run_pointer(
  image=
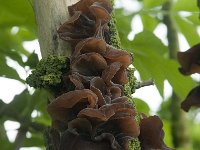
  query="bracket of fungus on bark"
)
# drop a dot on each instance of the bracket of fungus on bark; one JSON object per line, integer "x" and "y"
{"x": 96, "y": 114}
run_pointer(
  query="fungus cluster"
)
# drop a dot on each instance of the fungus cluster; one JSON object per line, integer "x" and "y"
{"x": 190, "y": 64}
{"x": 95, "y": 114}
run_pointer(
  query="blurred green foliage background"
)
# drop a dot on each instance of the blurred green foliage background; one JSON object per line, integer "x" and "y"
{"x": 151, "y": 59}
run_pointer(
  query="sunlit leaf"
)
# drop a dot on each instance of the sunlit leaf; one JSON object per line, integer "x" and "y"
{"x": 141, "y": 106}
{"x": 188, "y": 29}
{"x": 147, "y": 39}
{"x": 152, "y": 3}
{"x": 152, "y": 64}
{"x": 185, "y": 5}
{"x": 194, "y": 18}
{"x": 123, "y": 23}
{"x": 149, "y": 22}
{"x": 167, "y": 129}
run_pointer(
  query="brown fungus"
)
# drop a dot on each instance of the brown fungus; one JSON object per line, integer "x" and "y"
{"x": 73, "y": 141}
{"x": 105, "y": 112}
{"x": 110, "y": 71}
{"x": 151, "y": 133}
{"x": 90, "y": 45}
{"x": 87, "y": 18}
{"x": 100, "y": 13}
{"x": 90, "y": 64}
{"x": 61, "y": 109}
{"x": 98, "y": 86}
{"x": 190, "y": 60}
{"x": 84, "y": 5}
{"x": 96, "y": 115}
{"x": 193, "y": 99}
{"x": 77, "y": 28}
{"x": 116, "y": 55}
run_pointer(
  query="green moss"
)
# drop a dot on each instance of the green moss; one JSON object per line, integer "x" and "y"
{"x": 48, "y": 72}
{"x": 134, "y": 145}
{"x": 130, "y": 87}
{"x": 114, "y": 35}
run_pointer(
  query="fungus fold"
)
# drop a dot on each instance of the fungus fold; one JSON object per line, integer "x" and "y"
{"x": 96, "y": 115}
{"x": 190, "y": 60}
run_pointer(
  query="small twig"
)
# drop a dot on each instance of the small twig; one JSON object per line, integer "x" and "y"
{"x": 145, "y": 83}
{"x": 21, "y": 135}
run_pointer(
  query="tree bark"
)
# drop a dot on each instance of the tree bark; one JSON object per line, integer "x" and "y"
{"x": 50, "y": 14}
{"x": 179, "y": 129}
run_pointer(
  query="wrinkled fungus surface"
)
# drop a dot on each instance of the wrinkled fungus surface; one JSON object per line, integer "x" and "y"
{"x": 190, "y": 64}
{"x": 96, "y": 115}
{"x": 192, "y": 100}
{"x": 190, "y": 60}
{"x": 151, "y": 133}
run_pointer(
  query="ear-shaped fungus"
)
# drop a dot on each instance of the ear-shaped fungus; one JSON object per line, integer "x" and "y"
{"x": 91, "y": 64}
{"x": 97, "y": 114}
{"x": 65, "y": 107}
{"x": 72, "y": 141}
{"x": 98, "y": 86}
{"x": 151, "y": 133}
{"x": 190, "y": 60}
{"x": 77, "y": 28}
{"x": 193, "y": 99}
{"x": 87, "y": 15}
{"x": 90, "y": 45}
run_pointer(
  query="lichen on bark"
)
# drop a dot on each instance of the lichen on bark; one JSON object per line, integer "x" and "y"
{"x": 48, "y": 72}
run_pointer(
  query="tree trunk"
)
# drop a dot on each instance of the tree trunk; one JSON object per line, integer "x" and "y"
{"x": 50, "y": 14}
{"x": 180, "y": 133}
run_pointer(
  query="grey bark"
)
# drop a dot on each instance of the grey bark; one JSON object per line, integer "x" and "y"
{"x": 50, "y": 14}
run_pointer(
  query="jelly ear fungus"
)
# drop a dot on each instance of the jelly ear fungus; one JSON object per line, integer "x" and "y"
{"x": 96, "y": 115}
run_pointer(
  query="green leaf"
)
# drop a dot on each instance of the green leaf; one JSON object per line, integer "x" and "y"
{"x": 185, "y": 5}
{"x": 151, "y": 63}
{"x": 36, "y": 140}
{"x": 11, "y": 42}
{"x": 16, "y": 13}
{"x": 147, "y": 39}
{"x": 164, "y": 112}
{"x": 7, "y": 71}
{"x": 167, "y": 128}
{"x": 123, "y": 23}
{"x": 26, "y": 34}
{"x": 34, "y": 99}
{"x": 148, "y": 22}
{"x": 19, "y": 103}
{"x": 33, "y": 60}
{"x": 188, "y": 29}
{"x": 160, "y": 68}
{"x": 141, "y": 106}
{"x": 152, "y": 3}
